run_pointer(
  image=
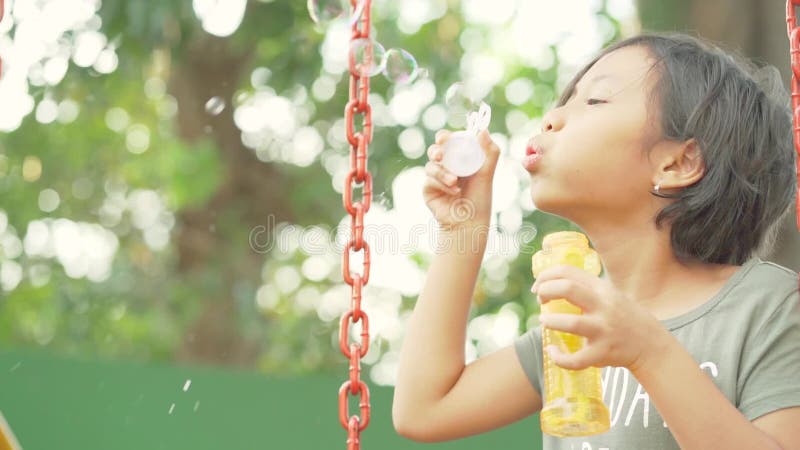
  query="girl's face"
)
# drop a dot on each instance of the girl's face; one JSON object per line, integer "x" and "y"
{"x": 592, "y": 161}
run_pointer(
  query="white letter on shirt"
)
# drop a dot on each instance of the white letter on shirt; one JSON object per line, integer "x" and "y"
{"x": 712, "y": 366}
{"x": 640, "y": 395}
{"x": 616, "y": 410}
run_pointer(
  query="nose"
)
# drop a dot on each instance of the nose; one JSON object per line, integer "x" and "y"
{"x": 552, "y": 120}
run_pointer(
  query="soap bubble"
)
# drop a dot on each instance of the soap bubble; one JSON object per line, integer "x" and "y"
{"x": 325, "y": 11}
{"x": 215, "y": 105}
{"x": 359, "y": 52}
{"x": 460, "y": 101}
{"x": 459, "y": 96}
{"x": 401, "y": 67}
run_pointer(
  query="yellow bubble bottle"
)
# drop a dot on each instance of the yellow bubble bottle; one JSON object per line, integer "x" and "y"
{"x": 573, "y": 399}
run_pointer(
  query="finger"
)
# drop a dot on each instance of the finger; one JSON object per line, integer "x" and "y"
{"x": 571, "y": 323}
{"x": 573, "y": 291}
{"x": 436, "y": 185}
{"x": 435, "y": 153}
{"x": 441, "y": 174}
{"x": 586, "y": 357}
{"x": 488, "y": 145}
{"x": 565, "y": 271}
{"x": 442, "y": 136}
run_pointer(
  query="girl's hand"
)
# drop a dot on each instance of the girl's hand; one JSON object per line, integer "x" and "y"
{"x": 460, "y": 201}
{"x": 619, "y": 332}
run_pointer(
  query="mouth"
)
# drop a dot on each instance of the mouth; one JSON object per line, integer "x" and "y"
{"x": 533, "y": 153}
{"x": 533, "y": 149}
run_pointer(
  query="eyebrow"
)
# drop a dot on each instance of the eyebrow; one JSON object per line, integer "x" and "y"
{"x": 601, "y": 77}
{"x": 596, "y": 78}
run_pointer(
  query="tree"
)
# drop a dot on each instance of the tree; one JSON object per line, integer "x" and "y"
{"x": 147, "y": 156}
{"x": 141, "y": 148}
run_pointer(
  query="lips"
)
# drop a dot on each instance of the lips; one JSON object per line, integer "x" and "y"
{"x": 533, "y": 148}
{"x": 533, "y": 154}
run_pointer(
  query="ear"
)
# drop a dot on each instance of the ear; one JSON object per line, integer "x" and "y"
{"x": 682, "y": 166}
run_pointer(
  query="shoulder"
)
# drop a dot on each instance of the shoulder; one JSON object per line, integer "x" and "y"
{"x": 765, "y": 291}
{"x": 770, "y": 271}
{"x": 762, "y": 279}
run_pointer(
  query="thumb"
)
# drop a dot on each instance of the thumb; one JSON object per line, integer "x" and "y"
{"x": 489, "y": 147}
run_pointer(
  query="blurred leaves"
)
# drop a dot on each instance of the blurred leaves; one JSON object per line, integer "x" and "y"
{"x": 199, "y": 294}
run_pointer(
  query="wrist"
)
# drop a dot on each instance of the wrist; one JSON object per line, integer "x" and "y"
{"x": 463, "y": 237}
{"x": 467, "y": 226}
{"x": 659, "y": 350}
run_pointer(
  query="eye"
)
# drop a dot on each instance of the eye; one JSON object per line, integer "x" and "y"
{"x": 594, "y": 101}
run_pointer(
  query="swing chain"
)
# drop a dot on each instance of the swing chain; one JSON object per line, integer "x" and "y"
{"x": 794, "y": 50}
{"x": 358, "y": 177}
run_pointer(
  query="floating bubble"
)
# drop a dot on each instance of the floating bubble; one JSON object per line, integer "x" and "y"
{"x": 323, "y": 12}
{"x": 215, "y": 105}
{"x": 460, "y": 100}
{"x": 458, "y": 96}
{"x": 368, "y": 56}
{"x": 401, "y": 67}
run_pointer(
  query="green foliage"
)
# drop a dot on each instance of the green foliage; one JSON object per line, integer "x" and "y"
{"x": 153, "y": 304}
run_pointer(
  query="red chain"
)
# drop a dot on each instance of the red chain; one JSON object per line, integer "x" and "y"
{"x": 794, "y": 46}
{"x": 358, "y": 176}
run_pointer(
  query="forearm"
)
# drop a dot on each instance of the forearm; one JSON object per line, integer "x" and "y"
{"x": 432, "y": 353}
{"x": 697, "y": 412}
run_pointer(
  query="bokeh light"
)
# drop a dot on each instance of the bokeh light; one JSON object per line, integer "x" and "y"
{"x": 31, "y": 168}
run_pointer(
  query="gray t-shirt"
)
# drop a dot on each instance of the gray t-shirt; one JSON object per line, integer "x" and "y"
{"x": 746, "y": 338}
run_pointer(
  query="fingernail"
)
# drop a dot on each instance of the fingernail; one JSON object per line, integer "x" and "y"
{"x": 533, "y": 288}
{"x": 450, "y": 178}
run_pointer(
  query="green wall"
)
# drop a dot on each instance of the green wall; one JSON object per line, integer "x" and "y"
{"x": 52, "y": 402}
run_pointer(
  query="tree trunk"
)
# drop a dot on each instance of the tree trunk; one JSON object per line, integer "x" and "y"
{"x": 756, "y": 29}
{"x": 249, "y": 191}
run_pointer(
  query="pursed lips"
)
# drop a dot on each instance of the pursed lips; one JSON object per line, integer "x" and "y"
{"x": 533, "y": 154}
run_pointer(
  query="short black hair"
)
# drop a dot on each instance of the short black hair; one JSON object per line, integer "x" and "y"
{"x": 739, "y": 114}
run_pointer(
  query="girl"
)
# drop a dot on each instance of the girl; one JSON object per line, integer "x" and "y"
{"x": 678, "y": 164}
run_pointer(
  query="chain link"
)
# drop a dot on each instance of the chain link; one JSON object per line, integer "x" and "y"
{"x": 358, "y": 177}
{"x": 794, "y": 49}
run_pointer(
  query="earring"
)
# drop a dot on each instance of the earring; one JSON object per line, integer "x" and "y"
{"x": 657, "y": 187}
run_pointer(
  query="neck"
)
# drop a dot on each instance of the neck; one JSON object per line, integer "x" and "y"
{"x": 641, "y": 264}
